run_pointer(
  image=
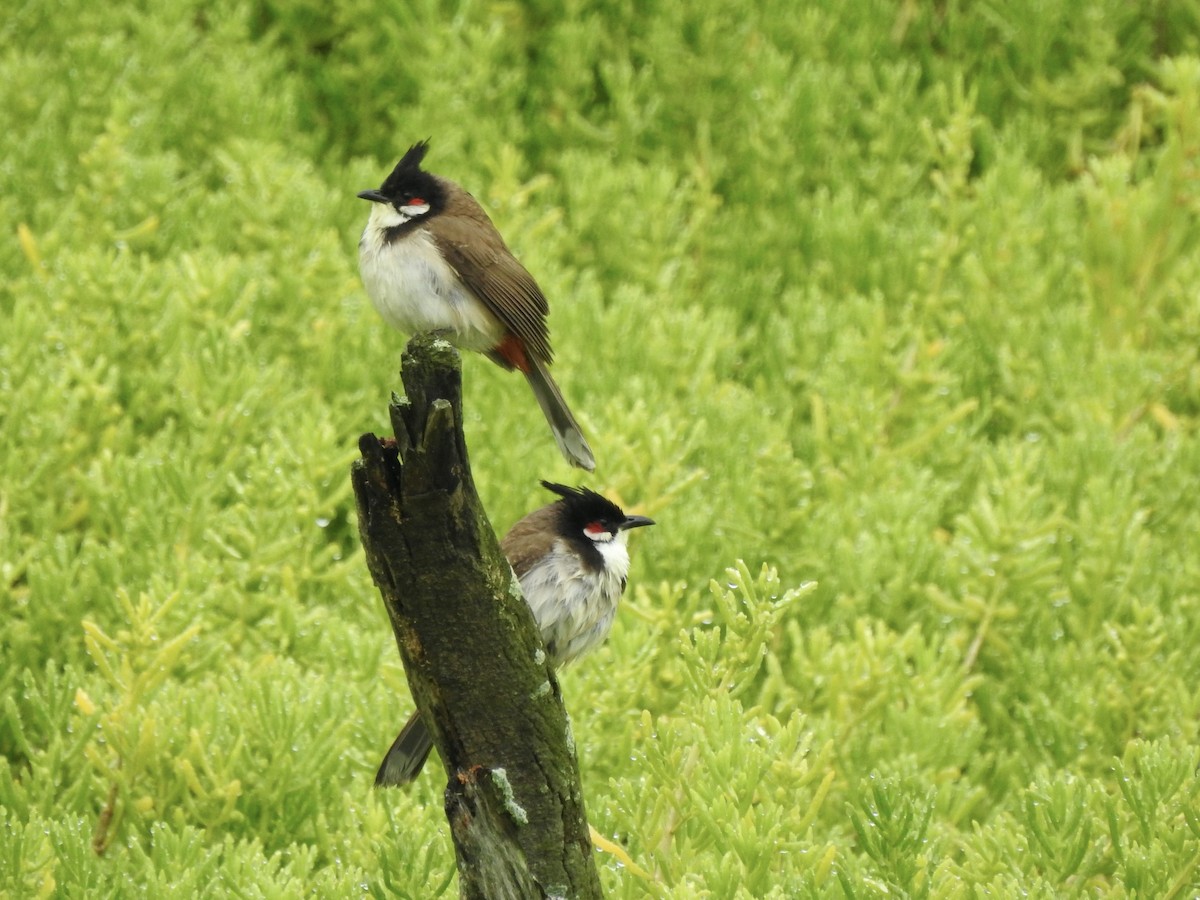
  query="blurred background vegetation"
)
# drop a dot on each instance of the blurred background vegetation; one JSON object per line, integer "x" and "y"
{"x": 888, "y": 312}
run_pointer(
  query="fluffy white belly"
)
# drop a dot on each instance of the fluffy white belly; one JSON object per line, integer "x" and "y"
{"x": 574, "y": 609}
{"x": 415, "y": 290}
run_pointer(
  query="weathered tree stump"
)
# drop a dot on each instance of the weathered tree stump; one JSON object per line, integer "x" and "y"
{"x": 470, "y": 648}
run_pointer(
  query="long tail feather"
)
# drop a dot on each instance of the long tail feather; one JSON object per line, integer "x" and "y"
{"x": 567, "y": 433}
{"x": 407, "y": 755}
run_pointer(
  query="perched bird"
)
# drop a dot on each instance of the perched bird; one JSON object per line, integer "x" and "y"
{"x": 431, "y": 260}
{"x": 572, "y": 561}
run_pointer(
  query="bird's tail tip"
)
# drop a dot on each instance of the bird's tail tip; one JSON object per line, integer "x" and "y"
{"x": 567, "y": 433}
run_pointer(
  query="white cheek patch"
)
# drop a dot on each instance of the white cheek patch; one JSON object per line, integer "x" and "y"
{"x": 384, "y": 215}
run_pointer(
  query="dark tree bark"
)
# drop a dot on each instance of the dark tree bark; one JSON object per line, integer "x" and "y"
{"x": 470, "y": 648}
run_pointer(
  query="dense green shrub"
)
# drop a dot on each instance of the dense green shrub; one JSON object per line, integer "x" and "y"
{"x": 888, "y": 313}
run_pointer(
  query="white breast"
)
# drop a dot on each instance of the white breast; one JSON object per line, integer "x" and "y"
{"x": 574, "y": 608}
{"x": 415, "y": 290}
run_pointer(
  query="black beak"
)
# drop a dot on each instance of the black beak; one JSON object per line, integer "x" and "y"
{"x": 375, "y": 196}
{"x": 635, "y": 522}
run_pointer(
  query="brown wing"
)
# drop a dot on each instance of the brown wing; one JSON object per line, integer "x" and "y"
{"x": 530, "y": 539}
{"x": 472, "y": 245}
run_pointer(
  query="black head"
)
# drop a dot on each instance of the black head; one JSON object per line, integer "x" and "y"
{"x": 413, "y": 192}
{"x": 595, "y": 516}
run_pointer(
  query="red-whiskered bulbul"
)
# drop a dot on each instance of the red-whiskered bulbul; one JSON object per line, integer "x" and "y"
{"x": 572, "y": 561}
{"x": 432, "y": 260}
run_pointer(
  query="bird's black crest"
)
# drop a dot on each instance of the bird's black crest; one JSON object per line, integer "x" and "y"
{"x": 584, "y": 506}
{"x": 408, "y": 171}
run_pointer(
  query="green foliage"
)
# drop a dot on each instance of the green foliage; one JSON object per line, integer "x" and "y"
{"x": 886, "y": 312}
